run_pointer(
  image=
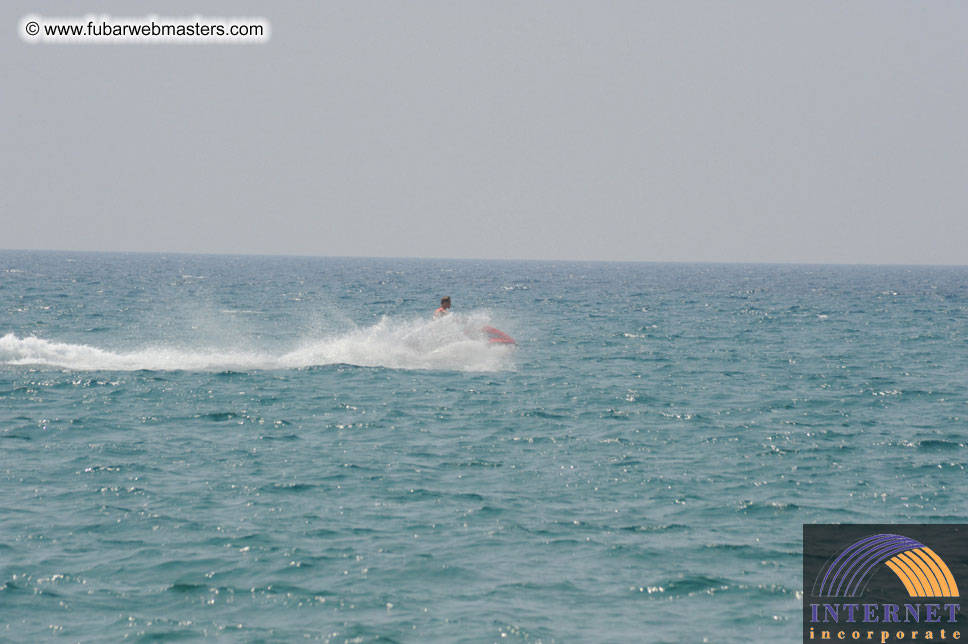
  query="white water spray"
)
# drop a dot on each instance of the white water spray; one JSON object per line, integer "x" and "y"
{"x": 453, "y": 343}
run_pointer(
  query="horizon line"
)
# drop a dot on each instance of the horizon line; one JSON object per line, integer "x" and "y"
{"x": 479, "y": 259}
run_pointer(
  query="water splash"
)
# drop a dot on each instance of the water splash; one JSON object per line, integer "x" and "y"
{"x": 454, "y": 343}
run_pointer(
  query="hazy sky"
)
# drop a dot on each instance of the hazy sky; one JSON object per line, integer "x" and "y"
{"x": 661, "y": 131}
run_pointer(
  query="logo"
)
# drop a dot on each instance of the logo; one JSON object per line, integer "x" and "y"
{"x": 884, "y": 583}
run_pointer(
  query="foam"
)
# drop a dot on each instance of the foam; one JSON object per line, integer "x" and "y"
{"x": 452, "y": 343}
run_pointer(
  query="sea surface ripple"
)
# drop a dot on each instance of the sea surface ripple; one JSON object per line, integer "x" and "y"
{"x": 278, "y": 449}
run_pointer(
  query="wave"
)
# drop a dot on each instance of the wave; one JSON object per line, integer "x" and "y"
{"x": 454, "y": 343}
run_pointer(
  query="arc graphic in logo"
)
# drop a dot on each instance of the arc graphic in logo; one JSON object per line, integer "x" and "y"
{"x": 922, "y": 572}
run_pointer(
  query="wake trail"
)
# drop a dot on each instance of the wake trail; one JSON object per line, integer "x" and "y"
{"x": 452, "y": 343}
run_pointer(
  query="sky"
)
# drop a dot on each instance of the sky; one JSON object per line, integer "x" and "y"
{"x": 750, "y": 131}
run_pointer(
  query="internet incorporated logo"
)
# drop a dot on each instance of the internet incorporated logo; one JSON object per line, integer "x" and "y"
{"x": 907, "y": 587}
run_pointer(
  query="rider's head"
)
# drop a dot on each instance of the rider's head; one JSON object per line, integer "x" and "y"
{"x": 445, "y": 302}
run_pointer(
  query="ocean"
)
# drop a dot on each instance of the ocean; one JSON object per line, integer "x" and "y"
{"x": 281, "y": 449}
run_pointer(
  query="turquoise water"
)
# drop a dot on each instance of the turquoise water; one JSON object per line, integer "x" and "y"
{"x": 266, "y": 449}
